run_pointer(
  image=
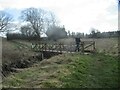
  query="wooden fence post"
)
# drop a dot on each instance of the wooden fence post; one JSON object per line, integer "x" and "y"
{"x": 42, "y": 47}
{"x": 60, "y": 48}
{"x": 45, "y": 46}
{"x": 82, "y": 44}
{"x": 57, "y": 47}
{"x": 52, "y": 47}
{"x": 94, "y": 46}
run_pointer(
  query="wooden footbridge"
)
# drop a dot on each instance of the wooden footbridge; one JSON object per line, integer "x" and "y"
{"x": 85, "y": 46}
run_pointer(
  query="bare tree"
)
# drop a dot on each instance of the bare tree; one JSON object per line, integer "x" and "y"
{"x": 5, "y": 20}
{"x": 27, "y": 30}
{"x": 53, "y": 19}
{"x": 50, "y": 21}
{"x": 36, "y": 18}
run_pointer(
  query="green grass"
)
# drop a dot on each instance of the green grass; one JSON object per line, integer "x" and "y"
{"x": 93, "y": 72}
{"x": 68, "y": 71}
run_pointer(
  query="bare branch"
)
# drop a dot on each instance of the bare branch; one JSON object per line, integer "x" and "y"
{"x": 36, "y": 18}
{"x": 4, "y": 21}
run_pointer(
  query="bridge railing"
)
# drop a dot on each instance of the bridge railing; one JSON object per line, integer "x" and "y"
{"x": 60, "y": 47}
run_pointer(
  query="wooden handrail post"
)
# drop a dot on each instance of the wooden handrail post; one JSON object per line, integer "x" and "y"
{"x": 82, "y": 44}
{"x": 94, "y": 46}
{"x": 42, "y": 46}
{"x": 32, "y": 46}
{"x": 45, "y": 46}
{"x": 52, "y": 47}
{"x": 49, "y": 47}
{"x": 70, "y": 48}
{"x": 57, "y": 47}
{"x": 35, "y": 47}
{"x": 60, "y": 48}
{"x": 39, "y": 47}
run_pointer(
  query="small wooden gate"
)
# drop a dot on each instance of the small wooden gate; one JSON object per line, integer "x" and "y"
{"x": 88, "y": 46}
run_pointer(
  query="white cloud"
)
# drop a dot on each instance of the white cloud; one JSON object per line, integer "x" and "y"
{"x": 1, "y": 8}
{"x": 76, "y": 15}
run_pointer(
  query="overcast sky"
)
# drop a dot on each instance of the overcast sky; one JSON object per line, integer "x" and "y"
{"x": 76, "y": 15}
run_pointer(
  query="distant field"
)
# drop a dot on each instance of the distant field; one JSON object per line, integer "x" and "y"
{"x": 105, "y": 45}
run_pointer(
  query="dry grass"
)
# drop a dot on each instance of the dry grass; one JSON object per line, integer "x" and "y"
{"x": 12, "y": 52}
{"x": 41, "y": 74}
{"x": 68, "y": 71}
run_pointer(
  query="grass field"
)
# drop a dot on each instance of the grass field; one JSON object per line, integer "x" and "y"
{"x": 103, "y": 45}
{"x": 15, "y": 55}
{"x": 68, "y": 71}
{"x": 12, "y": 51}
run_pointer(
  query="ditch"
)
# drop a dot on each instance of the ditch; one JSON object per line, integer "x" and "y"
{"x": 20, "y": 64}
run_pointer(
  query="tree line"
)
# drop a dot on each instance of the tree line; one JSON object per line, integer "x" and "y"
{"x": 94, "y": 34}
{"x": 39, "y": 21}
